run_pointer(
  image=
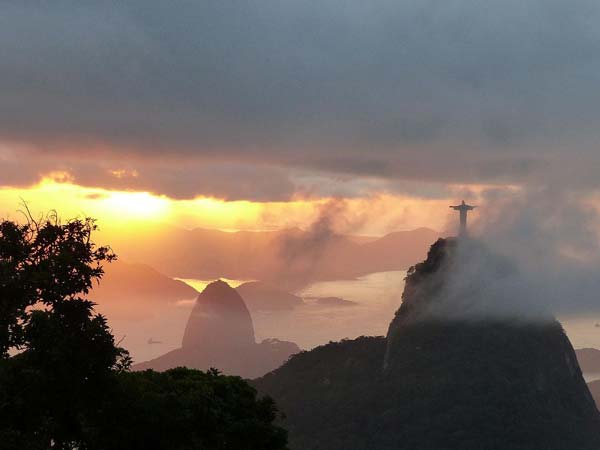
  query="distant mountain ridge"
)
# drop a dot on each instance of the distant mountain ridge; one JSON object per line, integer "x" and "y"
{"x": 131, "y": 290}
{"x": 289, "y": 258}
{"x": 589, "y": 360}
{"x": 220, "y": 334}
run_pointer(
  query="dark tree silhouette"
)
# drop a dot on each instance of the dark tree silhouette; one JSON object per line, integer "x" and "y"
{"x": 64, "y": 355}
{"x": 64, "y": 382}
{"x": 182, "y": 409}
{"x": 44, "y": 263}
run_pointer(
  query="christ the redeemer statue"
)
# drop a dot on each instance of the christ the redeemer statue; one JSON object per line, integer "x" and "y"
{"x": 463, "y": 208}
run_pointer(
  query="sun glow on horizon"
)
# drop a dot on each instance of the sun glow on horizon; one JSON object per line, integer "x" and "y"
{"x": 72, "y": 200}
{"x": 138, "y": 205}
{"x": 119, "y": 211}
{"x": 123, "y": 210}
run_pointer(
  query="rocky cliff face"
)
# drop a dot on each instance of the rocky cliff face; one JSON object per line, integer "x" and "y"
{"x": 220, "y": 334}
{"x": 456, "y": 371}
{"x": 219, "y": 320}
{"x": 515, "y": 364}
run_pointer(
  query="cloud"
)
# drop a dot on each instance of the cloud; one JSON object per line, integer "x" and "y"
{"x": 551, "y": 236}
{"x": 308, "y": 247}
{"x": 535, "y": 253}
{"x": 177, "y": 180}
{"x": 449, "y": 92}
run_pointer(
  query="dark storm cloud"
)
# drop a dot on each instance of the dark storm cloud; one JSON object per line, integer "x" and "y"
{"x": 182, "y": 180}
{"x": 463, "y": 91}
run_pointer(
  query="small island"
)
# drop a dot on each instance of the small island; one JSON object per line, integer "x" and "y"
{"x": 332, "y": 301}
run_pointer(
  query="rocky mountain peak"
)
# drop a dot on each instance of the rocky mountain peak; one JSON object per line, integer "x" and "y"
{"x": 219, "y": 319}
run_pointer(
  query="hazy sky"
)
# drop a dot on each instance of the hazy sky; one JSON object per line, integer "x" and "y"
{"x": 271, "y": 100}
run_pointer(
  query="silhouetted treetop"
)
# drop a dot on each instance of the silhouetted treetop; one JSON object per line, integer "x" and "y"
{"x": 64, "y": 382}
{"x": 44, "y": 262}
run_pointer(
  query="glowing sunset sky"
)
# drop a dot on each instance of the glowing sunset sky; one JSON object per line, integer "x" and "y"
{"x": 237, "y": 115}
{"x": 375, "y": 214}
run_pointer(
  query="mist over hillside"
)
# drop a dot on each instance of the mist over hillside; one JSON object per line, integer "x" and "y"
{"x": 456, "y": 370}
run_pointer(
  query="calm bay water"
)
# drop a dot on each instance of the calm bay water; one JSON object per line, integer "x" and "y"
{"x": 377, "y": 298}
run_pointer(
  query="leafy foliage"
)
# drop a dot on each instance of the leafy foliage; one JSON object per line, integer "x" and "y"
{"x": 182, "y": 409}
{"x": 64, "y": 353}
{"x": 451, "y": 386}
{"x": 44, "y": 263}
{"x": 329, "y": 395}
{"x": 65, "y": 384}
